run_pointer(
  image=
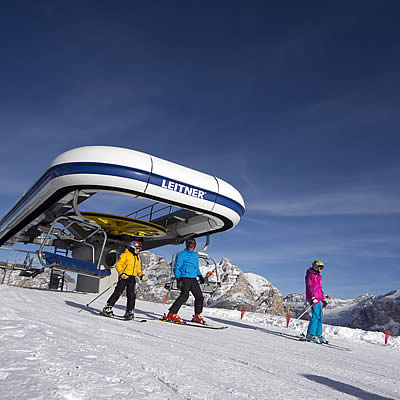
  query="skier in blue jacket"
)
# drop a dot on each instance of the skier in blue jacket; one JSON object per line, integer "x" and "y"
{"x": 186, "y": 270}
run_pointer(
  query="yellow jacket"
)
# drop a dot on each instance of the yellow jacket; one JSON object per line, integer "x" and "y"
{"x": 128, "y": 264}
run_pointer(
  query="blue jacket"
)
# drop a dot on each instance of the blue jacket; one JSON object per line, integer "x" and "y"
{"x": 186, "y": 264}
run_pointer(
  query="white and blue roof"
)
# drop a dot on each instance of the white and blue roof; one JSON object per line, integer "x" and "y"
{"x": 218, "y": 206}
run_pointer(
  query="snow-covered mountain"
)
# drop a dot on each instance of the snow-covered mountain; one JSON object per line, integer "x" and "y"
{"x": 254, "y": 293}
{"x": 337, "y": 309}
{"x": 379, "y": 313}
{"x": 368, "y": 312}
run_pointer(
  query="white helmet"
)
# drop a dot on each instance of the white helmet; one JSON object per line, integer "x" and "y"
{"x": 135, "y": 245}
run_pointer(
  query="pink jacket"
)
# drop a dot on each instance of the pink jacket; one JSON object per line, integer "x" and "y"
{"x": 314, "y": 285}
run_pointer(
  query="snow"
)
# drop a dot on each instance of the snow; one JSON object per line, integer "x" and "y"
{"x": 395, "y": 296}
{"x": 258, "y": 283}
{"x": 392, "y": 295}
{"x": 341, "y": 315}
{"x": 53, "y": 347}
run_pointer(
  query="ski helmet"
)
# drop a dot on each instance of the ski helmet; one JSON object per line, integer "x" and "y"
{"x": 317, "y": 265}
{"x": 190, "y": 242}
{"x": 135, "y": 245}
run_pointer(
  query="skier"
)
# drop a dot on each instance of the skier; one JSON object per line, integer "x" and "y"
{"x": 128, "y": 267}
{"x": 186, "y": 270}
{"x": 316, "y": 299}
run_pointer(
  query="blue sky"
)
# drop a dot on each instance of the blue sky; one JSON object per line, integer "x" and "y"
{"x": 296, "y": 105}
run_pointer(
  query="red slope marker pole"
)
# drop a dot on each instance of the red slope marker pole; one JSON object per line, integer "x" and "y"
{"x": 243, "y": 311}
{"x": 387, "y": 334}
{"x": 288, "y": 320}
{"x": 165, "y": 299}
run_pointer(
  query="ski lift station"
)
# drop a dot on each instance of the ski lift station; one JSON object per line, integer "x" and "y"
{"x": 183, "y": 203}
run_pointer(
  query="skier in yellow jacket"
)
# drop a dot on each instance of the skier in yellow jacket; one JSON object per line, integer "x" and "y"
{"x": 128, "y": 267}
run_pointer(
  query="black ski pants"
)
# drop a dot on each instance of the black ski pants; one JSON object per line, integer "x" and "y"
{"x": 189, "y": 285}
{"x": 129, "y": 284}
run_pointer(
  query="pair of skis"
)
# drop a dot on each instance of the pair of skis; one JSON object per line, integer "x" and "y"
{"x": 302, "y": 338}
{"x": 326, "y": 344}
{"x": 163, "y": 319}
{"x": 191, "y": 323}
{"x": 121, "y": 317}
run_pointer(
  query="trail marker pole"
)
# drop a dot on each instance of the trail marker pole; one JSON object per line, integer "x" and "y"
{"x": 288, "y": 316}
{"x": 243, "y": 311}
{"x": 387, "y": 334}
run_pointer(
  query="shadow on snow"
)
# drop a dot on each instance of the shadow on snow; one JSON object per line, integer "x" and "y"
{"x": 345, "y": 388}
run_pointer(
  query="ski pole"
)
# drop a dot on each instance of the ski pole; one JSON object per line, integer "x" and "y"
{"x": 307, "y": 309}
{"x": 87, "y": 305}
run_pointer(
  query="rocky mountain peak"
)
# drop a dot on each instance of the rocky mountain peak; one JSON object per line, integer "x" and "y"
{"x": 379, "y": 313}
{"x": 237, "y": 289}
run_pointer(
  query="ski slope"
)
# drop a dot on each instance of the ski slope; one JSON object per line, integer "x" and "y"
{"x": 53, "y": 347}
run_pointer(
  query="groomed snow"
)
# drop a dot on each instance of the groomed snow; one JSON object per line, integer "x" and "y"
{"x": 53, "y": 347}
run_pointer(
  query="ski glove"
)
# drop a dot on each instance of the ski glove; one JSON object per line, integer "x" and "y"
{"x": 142, "y": 277}
{"x": 124, "y": 276}
{"x": 201, "y": 279}
{"x": 314, "y": 301}
{"x": 324, "y": 304}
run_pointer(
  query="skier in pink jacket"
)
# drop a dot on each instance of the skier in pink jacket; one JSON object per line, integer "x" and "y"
{"x": 316, "y": 299}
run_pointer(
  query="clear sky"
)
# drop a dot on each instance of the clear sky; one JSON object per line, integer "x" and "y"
{"x": 296, "y": 105}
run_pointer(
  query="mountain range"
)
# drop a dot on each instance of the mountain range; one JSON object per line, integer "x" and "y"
{"x": 238, "y": 290}
{"x": 253, "y": 292}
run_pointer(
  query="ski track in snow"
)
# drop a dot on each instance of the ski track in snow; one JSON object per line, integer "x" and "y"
{"x": 53, "y": 347}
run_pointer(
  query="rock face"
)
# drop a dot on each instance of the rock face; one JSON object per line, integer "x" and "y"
{"x": 295, "y": 305}
{"x": 247, "y": 290}
{"x": 237, "y": 289}
{"x": 157, "y": 271}
{"x": 379, "y": 313}
{"x": 268, "y": 298}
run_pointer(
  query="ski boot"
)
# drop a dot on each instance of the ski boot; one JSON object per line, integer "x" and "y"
{"x": 198, "y": 318}
{"x": 173, "y": 317}
{"x": 322, "y": 340}
{"x": 107, "y": 311}
{"x": 129, "y": 315}
{"x": 312, "y": 338}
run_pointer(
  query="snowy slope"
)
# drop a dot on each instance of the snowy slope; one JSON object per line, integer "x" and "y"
{"x": 53, "y": 347}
